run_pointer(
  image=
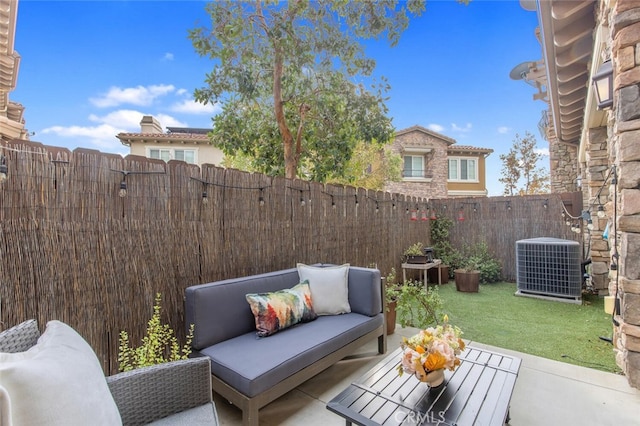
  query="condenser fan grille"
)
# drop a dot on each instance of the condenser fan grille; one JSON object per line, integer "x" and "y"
{"x": 549, "y": 267}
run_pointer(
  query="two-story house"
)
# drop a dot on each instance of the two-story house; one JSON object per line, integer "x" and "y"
{"x": 435, "y": 167}
{"x": 177, "y": 143}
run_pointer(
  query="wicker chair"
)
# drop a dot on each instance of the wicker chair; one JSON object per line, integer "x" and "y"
{"x": 173, "y": 393}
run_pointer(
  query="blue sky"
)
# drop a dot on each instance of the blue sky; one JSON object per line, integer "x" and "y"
{"x": 92, "y": 69}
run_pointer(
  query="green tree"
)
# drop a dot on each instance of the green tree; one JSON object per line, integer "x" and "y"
{"x": 290, "y": 78}
{"x": 371, "y": 167}
{"x": 520, "y": 172}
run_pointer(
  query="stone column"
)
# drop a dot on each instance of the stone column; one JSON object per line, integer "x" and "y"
{"x": 597, "y": 193}
{"x": 624, "y": 21}
{"x": 563, "y": 166}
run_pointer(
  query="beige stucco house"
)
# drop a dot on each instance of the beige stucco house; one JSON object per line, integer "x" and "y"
{"x": 177, "y": 143}
{"x": 434, "y": 166}
{"x": 11, "y": 113}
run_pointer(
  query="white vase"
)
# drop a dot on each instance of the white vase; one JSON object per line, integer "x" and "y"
{"x": 434, "y": 378}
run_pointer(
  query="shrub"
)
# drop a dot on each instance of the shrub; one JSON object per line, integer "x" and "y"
{"x": 480, "y": 258}
{"x": 158, "y": 345}
{"x": 416, "y": 305}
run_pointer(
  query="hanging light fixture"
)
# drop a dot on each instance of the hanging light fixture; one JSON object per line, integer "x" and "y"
{"x": 601, "y": 211}
{"x": 603, "y": 85}
{"x": 205, "y": 197}
{"x": 4, "y": 170}
{"x": 123, "y": 189}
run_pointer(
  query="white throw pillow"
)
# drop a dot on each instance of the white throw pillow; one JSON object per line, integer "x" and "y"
{"x": 329, "y": 288}
{"x": 59, "y": 381}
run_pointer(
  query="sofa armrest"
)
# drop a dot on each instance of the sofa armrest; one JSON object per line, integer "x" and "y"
{"x": 150, "y": 393}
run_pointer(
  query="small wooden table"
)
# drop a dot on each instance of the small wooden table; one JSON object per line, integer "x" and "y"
{"x": 478, "y": 392}
{"x": 422, "y": 267}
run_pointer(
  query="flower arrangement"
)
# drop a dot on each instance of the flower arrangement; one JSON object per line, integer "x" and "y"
{"x": 432, "y": 349}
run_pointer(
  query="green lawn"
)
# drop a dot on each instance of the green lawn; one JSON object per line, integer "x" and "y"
{"x": 561, "y": 331}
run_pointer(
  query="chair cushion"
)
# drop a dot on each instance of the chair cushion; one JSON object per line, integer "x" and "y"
{"x": 19, "y": 338}
{"x": 275, "y": 311}
{"x": 329, "y": 288}
{"x": 284, "y": 353}
{"x": 59, "y": 381}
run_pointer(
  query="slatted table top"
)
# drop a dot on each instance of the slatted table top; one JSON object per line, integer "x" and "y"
{"x": 478, "y": 392}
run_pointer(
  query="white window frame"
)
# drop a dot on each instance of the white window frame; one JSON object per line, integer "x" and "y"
{"x": 457, "y": 178}
{"x": 416, "y": 152}
{"x": 172, "y": 152}
{"x": 413, "y": 156}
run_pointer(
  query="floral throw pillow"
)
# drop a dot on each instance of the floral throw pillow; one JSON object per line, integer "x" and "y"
{"x": 281, "y": 309}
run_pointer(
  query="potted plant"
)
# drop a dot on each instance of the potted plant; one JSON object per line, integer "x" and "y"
{"x": 391, "y": 295}
{"x": 467, "y": 276}
{"x": 415, "y": 254}
{"x": 417, "y": 305}
{"x": 478, "y": 266}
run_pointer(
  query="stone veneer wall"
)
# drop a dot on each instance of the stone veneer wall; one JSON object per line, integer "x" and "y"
{"x": 596, "y": 171}
{"x": 563, "y": 166}
{"x": 624, "y": 152}
{"x": 437, "y": 166}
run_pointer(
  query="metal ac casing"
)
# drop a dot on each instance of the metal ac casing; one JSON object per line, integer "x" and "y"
{"x": 549, "y": 267}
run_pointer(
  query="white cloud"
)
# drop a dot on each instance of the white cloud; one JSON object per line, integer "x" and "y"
{"x": 189, "y": 106}
{"x": 464, "y": 129}
{"x": 503, "y": 130}
{"x": 102, "y": 136}
{"x": 123, "y": 119}
{"x": 139, "y": 95}
{"x": 168, "y": 56}
{"x": 542, "y": 151}
{"x": 436, "y": 127}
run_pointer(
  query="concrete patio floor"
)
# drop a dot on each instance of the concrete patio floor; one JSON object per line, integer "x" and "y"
{"x": 547, "y": 392}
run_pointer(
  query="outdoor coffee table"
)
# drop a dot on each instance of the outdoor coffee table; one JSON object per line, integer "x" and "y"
{"x": 478, "y": 392}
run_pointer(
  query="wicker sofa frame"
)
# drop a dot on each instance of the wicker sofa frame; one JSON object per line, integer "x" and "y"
{"x": 163, "y": 392}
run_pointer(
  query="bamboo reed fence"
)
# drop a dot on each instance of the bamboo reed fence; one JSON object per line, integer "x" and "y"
{"x": 72, "y": 249}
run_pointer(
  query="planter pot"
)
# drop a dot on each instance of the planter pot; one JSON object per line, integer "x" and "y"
{"x": 416, "y": 259}
{"x": 433, "y": 275}
{"x": 391, "y": 317}
{"x": 468, "y": 282}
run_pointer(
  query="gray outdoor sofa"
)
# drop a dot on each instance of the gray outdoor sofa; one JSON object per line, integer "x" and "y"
{"x": 251, "y": 371}
{"x": 172, "y": 393}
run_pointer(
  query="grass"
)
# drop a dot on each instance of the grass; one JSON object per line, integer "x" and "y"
{"x": 560, "y": 331}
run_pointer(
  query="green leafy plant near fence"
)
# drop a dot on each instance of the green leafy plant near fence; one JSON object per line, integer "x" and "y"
{"x": 479, "y": 257}
{"x": 158, "y": 345}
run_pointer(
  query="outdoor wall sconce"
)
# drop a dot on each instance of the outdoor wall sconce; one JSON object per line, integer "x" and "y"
{"x": 423, "y": 216}
{"x": 603, "y": 85}
{"x": 4, "y": 170}
{"x": 461, "y": 214}
{"x": 433, "y": 214}
{"x": 302, "y": 202}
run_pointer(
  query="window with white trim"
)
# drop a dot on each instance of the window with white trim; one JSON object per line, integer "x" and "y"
{"x": 463, "y": 169}
{"x": 413, "y": 166}
{"x": 166, "y": 154}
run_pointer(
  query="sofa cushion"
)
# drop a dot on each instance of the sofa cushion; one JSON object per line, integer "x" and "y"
{"x": 275, "y": 311}
{"x": 284, "y": 353}
{"x": 329, "y": 287}
{"x": 59, "y": 381}
{"x": 20, "y": 337}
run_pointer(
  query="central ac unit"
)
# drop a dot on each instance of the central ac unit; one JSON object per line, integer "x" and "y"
{"x": 549, "y": 268}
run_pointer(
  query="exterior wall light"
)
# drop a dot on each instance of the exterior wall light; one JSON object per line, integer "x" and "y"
{"x": 603, "y": 85}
